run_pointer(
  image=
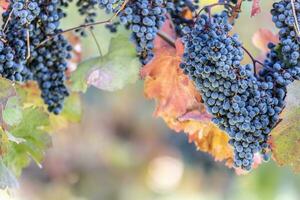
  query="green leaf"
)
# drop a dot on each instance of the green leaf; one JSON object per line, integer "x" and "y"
{"x": 72, "y": 108}
{"x": 32, "y": 129}
{"x": 9, "y": 105}
{"x": 117, "y": 68}
{"x": 7, "y": 178}
{"x": 78, "y": 78}
{"x": 12, "y": 114}
{"x": 286, "y": 136}
{"x": 14, "y": 139}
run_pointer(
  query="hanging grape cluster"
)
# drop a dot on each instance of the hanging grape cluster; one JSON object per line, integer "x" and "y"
{"x": 243, "y": 103}
{"x": 27, "y": 55}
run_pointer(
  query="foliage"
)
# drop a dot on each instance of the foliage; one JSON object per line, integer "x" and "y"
{"x": 26, "y": 124}
{"x": 110, "y": 72}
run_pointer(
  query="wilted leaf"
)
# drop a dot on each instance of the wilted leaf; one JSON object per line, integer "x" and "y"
{"x": 111, "y": 72}
{"x": 255, "y": 8}
{"x": 285, "y": 139}
{"x": 179, "y": 103}
{"x": 262, "y": 37}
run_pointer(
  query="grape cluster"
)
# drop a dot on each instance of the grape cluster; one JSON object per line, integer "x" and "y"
{"x": 178, "y": 14}
{"x": 246, "y": 107}
{"x": 25, "y": 56}
{"x": 284, "y": 19}
{"x": 144, "y": 18}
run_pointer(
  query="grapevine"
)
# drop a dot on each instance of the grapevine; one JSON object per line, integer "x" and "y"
{"x": 187, "y": 51}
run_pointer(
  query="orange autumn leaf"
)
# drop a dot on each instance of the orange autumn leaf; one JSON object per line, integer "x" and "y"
{"x": 179, "y": 103}
{"x": 214, "y": 141}
{"x": 166, "y": 83}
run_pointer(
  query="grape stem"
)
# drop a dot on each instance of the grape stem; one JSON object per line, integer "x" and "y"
{"x": 96, "y": 41}
{"x": 28, "y": 44}
{"x": 8, "y": 19}
{"x": 235, "y": 11}
{"x": 87, "y": 25}
{"x": 75, "y": 28}
{"x": 253, "y": 60}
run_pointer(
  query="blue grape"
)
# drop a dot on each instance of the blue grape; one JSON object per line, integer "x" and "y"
{"x": 247, "y": 107}
{"x": 36, "y": 20}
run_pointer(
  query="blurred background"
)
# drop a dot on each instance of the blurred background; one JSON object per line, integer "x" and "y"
{"x": 119, "y": 151}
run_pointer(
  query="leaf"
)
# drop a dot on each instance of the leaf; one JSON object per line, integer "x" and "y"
{"x": 72, "y": 108}
{"x": 262, "y": 37}
{"x": 12, "y": 113}
{"x": 72, "y": 112}
{"x": 7, "y": 178}
{"x": 14, "y": 139}
{"x": 111, "y": 72}
{"x": 255, "y": 8}
{"x": 32, "y": 129}
{"x": 179, "y": 103}
{"x": 285, "y": 140}
{"x": 215, "y": 141}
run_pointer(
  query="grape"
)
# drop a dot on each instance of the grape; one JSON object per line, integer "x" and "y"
{"x": 283, "y": 18}
{"x": 144, "y": 19}
{"x": 248, "y": 107}
{"x": 46, "y": 63}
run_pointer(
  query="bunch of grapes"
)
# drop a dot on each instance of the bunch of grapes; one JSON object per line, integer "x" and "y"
{"x": 144, "y": 18}
{"x": 27, "y": 54}
{"x": 288, "y": 24}
{"x": 246, "y": 107}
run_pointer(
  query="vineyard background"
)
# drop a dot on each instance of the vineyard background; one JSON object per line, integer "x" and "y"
{"x": 120, "y": 151}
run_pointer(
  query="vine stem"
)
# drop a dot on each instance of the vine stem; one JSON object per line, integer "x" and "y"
{"x": 74, "y": 28}
{"x": 97, "y": 43}
{"x": 87, "y": 25}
